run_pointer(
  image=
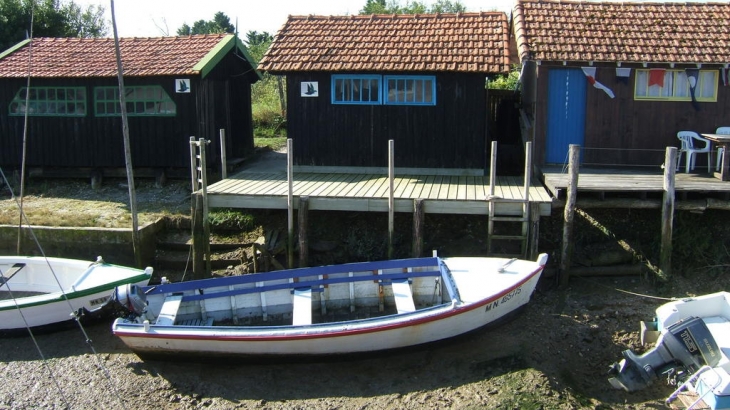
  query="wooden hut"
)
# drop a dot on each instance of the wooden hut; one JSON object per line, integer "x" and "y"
{"x": 355, "y": 82}
{"x": 621, "y": 78}
{"x": 175, "y": 88}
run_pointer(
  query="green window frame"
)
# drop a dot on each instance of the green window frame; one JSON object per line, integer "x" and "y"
{"x": 676, "y": 86}
{"x": 141, "y": 101}
{"x": 49, "y": 102}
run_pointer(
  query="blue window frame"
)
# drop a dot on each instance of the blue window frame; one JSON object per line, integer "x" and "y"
{"x": 410, "y": 90}
{"x": 373, "y": 89}
{"x": 356, "y": 89}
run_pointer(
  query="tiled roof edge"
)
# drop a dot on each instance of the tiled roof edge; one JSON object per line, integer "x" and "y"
{"x": 518, "y": 19}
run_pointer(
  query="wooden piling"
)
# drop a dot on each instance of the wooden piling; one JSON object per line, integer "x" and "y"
{"x": 418, "y": 220}
{"x": 303, "y": 218}
{"x": 199, "y": 238}
{"x": 391, "y": 198}
{"x": 665, "y": 254}
{"x": 290, "y": 203}
{"x": 569, "y": 214}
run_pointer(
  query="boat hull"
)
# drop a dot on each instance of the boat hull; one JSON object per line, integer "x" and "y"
{"x": 35, "y": 300}
{"x": 388, "y": 332}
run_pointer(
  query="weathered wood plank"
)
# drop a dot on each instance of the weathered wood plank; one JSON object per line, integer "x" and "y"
{"x": 456, "y": 194}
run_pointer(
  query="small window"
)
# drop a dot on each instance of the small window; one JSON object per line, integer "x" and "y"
{"x": 356, "y": 89}
{"x": 50, "y": 102}
{"x": 410, "y": 90}
{"x": 140, "y": 101}
{"x": 673, "y": 85}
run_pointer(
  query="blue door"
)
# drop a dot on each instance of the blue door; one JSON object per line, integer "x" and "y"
{"x": 566, "y": 112}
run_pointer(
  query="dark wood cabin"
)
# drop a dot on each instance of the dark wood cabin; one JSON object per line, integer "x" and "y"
{"x": 644, "y": 54}
{"x": 355, "y": 82}
{"x": 175, "y": 88}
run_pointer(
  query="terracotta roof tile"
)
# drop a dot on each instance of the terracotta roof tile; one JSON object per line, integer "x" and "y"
{"x": 425, "y": 42}
{"x": 95, "y": 57}
{"x": 623, "y": 31}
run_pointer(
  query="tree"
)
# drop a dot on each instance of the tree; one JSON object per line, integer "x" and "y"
{"x": 220, "y": 24}
{"x": 51, "y": 18}
{"x": 413, "y": 7}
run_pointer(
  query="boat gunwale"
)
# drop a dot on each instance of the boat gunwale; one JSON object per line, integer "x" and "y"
{"x": 291, "y": 274}
{"x": 67, "y": 294}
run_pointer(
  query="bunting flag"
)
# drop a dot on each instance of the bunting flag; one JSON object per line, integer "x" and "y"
{"x": 590, "y": 73}
{"x": 725, "y": 76}
{"x": 692, "y": 76}
{"x": 656, "y": 77}
{"x": 622, "y": 75}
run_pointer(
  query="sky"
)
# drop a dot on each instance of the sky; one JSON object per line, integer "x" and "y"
{"x": 154, "y": 18}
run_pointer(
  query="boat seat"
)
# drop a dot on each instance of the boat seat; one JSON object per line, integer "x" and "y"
{"x": 169, "y": 310}
{"x": 11, "y": 272}
{"x": 403, "y": 296}
{"x": 302, "y": 301}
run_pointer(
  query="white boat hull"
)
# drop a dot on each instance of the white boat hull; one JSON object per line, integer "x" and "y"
{"x": 476, "y": 308}
{"x": 48, "y": 291}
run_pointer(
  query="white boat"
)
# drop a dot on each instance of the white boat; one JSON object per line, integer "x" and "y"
{"x": 329, "y": 310}
{"x": 41, "y": 293}
{"x": 692, "y": 351}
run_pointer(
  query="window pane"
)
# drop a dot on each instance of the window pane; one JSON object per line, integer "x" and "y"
{"x": 355, "y": 89}
{"x": 410, "y": 90}
{"x": 681, "y": 84}
{"x": 44, "y": 101}
{"x": 707, "y": 85}
{"x": 642, "y": 83}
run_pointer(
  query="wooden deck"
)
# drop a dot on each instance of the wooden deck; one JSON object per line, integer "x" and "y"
{"x": 266, "y": 187}
{"x": 639, "y": 183}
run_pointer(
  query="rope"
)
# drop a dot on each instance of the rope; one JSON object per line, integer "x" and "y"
{"x": 74, "y": 314}
{"x": 627, "y": 291}
{"x": 44, "y": 362}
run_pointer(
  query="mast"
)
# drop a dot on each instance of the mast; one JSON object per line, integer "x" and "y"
{"x": 127, "y": 149}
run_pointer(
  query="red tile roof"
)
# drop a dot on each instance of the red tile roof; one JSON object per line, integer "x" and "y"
{"x": 623, "y": 31}
{"x": 95, "y": 57}
{"x": 465, "y": 42}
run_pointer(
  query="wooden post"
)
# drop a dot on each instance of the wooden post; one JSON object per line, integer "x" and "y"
{"x": 391, "y": 202}
{"x": 199, "y": 238}
{"x": 224, "y": 160}
{"x": 665, "y": 254}
{"x": 418, "y": 219}
{"x": 202, "y": 142}
{"x": 569, "y": 214}
{"x": 526, "y": 210}
{"x": 290, "y": 203}
{"x": 201, "y": 226}
{"x": 303, "y": 217}
{"x": 534, "y": 238}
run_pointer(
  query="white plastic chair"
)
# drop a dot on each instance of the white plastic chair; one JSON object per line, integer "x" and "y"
{"x": 720, "y": 151}
{"x": 688, "y": 140}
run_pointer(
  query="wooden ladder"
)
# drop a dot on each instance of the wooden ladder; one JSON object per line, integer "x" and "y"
{"x": 524, "y": 220}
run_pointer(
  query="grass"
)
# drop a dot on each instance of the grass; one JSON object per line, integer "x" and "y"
{"x": 272, "y": 143}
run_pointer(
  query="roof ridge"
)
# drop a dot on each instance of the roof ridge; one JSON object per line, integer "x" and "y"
{"x": 375, "y": 16}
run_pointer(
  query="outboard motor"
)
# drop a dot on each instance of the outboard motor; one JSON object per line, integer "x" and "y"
{"x": 131, "y": 298}
{"x": 686, "y": 345}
